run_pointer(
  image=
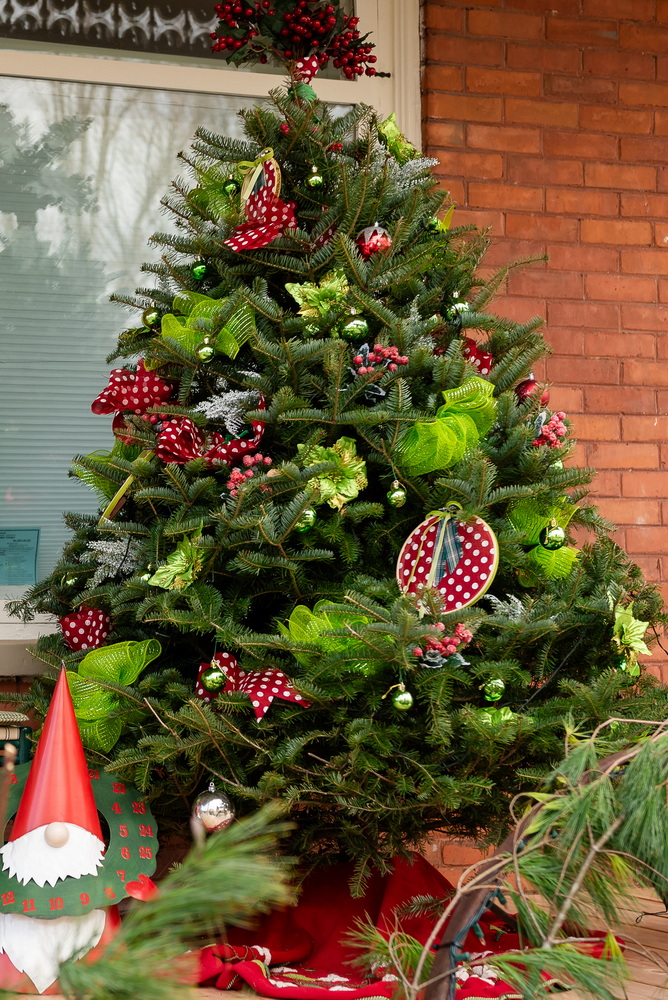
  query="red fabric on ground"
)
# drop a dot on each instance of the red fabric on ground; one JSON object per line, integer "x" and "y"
{"x": 310, "y": 940}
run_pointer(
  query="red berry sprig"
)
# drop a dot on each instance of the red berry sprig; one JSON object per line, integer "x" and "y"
{"x": 388, "y": 357}
{"x": 552, "y": 431}
{"x": 448, "y": 644}
{"x": 240, "y": 476}
{"x": 251, "y": 30}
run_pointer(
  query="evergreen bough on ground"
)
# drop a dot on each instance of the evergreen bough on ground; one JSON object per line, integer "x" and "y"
{"x": 361, "y": 778}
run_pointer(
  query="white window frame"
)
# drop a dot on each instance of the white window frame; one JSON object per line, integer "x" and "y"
{"x": 395, "y": 29}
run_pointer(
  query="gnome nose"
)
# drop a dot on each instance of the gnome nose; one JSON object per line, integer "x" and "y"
{"x": 56, "y": 834}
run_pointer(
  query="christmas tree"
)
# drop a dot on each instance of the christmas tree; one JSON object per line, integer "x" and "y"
{"x": 337, "y": 518}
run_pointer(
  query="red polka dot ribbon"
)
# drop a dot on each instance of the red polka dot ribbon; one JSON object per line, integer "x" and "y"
{"x": 267, "y": 217}
{"x": 261, "y": 686}
{"x": 460, "y": 581}
{"x": 305, "y": 69}
{"x": 135, "y": 391}
{"x": 482, "y": 360}
{"x": 86, "y": 628}
{"x": 181, "y": 440}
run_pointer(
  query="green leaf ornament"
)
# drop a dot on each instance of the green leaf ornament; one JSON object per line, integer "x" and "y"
{"x": 94, "y": 704}
{"x": 344, "y": 482}
{"x": 320, "y": 299}
{"x": 467, "y": 414}
{"x": 396, "y": 142}
{"x": 628, "y": 633}
{"x": 181, "y": 568}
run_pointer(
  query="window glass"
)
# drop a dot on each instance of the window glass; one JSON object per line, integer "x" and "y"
{"x": 82, "y": 171}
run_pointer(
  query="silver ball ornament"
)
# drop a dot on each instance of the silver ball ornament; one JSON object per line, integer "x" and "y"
{"x": 355, "y": 327}
{"x": 213, "y": 810}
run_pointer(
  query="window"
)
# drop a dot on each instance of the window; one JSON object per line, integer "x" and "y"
{"x": 88, "y": 144}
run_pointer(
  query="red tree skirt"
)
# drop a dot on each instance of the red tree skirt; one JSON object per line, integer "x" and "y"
{"x": 301, "y": 953}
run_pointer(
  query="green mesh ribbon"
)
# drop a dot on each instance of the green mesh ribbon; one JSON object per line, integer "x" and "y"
{"x": 306, "y": 626}
{"x": 120, "y": 663}
{"x": 467, "y": 414}
{"x": 531, "y": 518}
{"x": 198, "y": 318}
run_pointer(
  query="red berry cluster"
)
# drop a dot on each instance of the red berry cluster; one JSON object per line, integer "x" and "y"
{"x": 552, "y": 431}
{"x": 238, "y": 476}
{"x": 388, "y": 357}
{"x": 307, "y": 28}
{"x": 448, "y": 644}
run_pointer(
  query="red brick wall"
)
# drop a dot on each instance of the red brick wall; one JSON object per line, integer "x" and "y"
{"x": 550, "y": 122}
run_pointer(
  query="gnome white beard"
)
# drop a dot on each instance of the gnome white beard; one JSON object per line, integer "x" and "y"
{"x": 37, "y": 947}
{"x": 31, "y": 859}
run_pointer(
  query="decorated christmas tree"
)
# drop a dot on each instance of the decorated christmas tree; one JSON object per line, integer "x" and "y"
{"x": 337, "y": 519}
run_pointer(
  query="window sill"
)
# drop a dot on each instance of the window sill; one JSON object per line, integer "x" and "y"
{"x": 15, "y": 637}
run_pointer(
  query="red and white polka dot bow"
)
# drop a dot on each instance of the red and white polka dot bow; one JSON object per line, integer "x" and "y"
{"x": 261, "y": 686}
{"x": 136, "y": 391}
{"x": 306, "y": 68}
{"x": 267, "y": 218}
{"x": 181, "y": 440}
{"x": 86, "y": 628}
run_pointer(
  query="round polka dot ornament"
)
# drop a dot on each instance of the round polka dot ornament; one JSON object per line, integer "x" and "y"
{"x": 458, "y": 558}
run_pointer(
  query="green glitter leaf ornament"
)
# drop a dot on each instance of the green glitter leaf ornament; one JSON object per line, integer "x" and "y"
{"x": 318, "y": 300}
{"x": 343, "y": 483}
{"x": 628, "y": 634}
{"x": 396, "y": 142}
{"x": 94, "y": 703}
{"x": 181, "y": 568}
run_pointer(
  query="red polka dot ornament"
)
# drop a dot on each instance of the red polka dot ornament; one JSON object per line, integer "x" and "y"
{"x": 86, "y": 628}
{"x": 458, "y": 558}
{"x": 261, "y": 686}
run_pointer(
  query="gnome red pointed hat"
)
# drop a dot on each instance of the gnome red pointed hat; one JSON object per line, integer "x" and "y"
{"x": 58, "y": 788}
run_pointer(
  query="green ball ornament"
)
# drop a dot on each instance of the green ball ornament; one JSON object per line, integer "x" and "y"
{"x": 402, "y": 700}
{"x": 396, "y": 496}
{"x": 434, "y": 224}
{"x": 552, "y": 537}
{"x": 150, "y": 317}
{"x": 307, "y": 520}
{"x": 315, "y": 178}
{"x": 213, "y": 679}
{"x": 230, "y": 187}
{"x": 205, "y": 351}
{"x": 494, "y": 688}
{"x": 355, "y": 327}
{"x": 198, "y": 270}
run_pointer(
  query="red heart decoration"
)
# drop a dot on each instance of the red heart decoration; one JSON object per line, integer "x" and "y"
{"x": 144, "y": 888}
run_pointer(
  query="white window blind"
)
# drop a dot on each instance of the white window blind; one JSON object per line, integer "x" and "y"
{"x": 82, "y": 171}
